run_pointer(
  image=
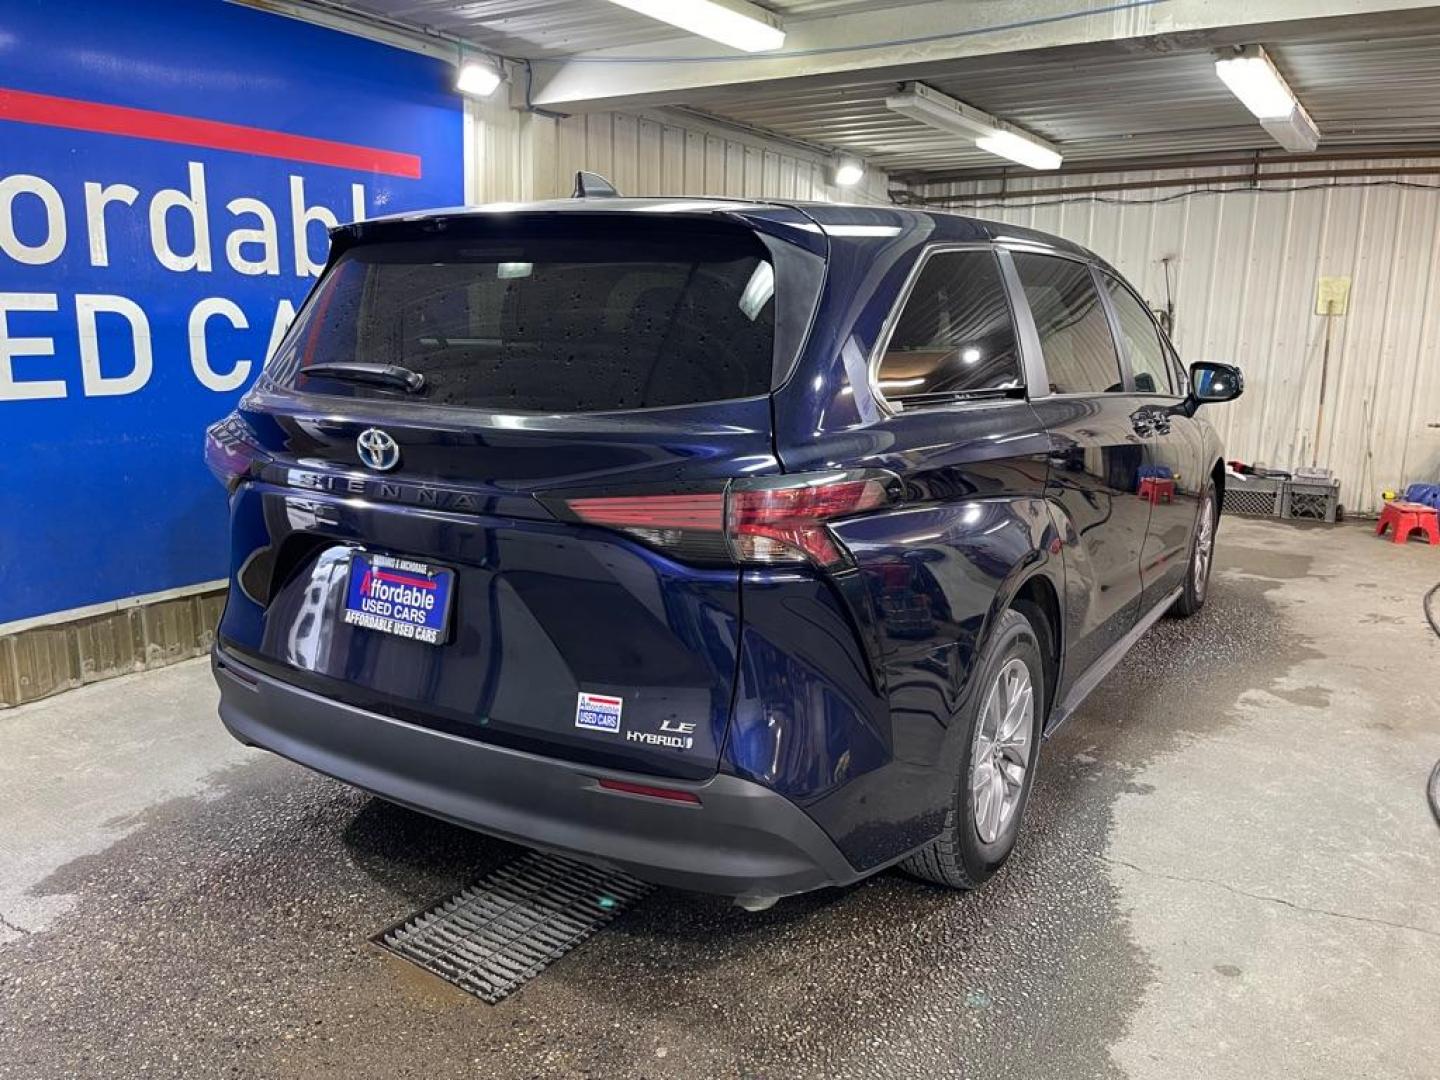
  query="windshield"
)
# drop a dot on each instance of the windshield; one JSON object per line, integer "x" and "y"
{"x": 615, "y": 318}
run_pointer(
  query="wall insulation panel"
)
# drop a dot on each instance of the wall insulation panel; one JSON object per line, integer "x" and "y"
{"x": 518, "y": 155}
{"x": 1244, "y": 266}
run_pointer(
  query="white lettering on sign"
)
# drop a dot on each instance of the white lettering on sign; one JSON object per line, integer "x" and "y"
{"x": 11, "y": 388}
{"x": 202, "y": 313}
{"x": 402, "y": 594}
{"x": 301, "y": 218}
{"x": 169, "y": 211}
{"x": 96, "y": 199}
{"x": 182, "y": 241}
{"x": 406, "y": 630}
{"x": 50, "y": 248}
{"x": 267, "y": 236}
{"x": 192, "y": 204}
{"x": 96, "y": 382}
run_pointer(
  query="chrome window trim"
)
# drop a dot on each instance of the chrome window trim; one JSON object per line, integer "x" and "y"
{"x": 887, "y": 330}
{"x": 1024, "y": 247}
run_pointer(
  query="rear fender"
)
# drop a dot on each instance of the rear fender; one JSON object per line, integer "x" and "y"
{"x": 938, "y": 576}
{"x": 809, "y": 713}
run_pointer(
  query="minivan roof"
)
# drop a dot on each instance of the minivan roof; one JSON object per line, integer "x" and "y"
{"x": 941, "y": 226}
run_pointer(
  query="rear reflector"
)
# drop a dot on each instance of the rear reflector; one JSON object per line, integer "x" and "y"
{"x": 764, "y": 522}
{"x": 672, "y": 794}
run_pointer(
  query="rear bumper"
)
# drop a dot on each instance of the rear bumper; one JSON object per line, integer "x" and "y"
{"x": 740, "y": 840}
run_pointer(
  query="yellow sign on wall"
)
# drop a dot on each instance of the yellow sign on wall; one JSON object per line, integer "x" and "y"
{"x": 1332, "y": 295}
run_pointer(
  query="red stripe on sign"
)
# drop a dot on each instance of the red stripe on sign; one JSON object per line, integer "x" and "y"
{"x": 401, "y": 579}
{"x": 27, "y": 108}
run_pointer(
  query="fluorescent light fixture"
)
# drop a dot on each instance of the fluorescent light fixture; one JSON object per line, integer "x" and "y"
{"x": 735, "y": 23}
{"x": 1253, "y": 79}
{"x": 1020, "y": 149}
{"x": 989, "y": 133}
{"x": 849, "y": 171}
{"x": 1296, "y": 132}
{"x": 941, "y": 111}
{"x": 476, "y": 79}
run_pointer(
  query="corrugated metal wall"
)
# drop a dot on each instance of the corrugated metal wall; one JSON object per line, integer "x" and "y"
{"x": 1244, "y": 266}
{"x": 519, "y": 155}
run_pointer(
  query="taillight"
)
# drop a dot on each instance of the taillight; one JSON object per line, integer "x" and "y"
{"x": 231, "y": 451}
{"x": 769, "y": 521}
{"x": 780, "y": 523}
{"x": 688, "y": 526}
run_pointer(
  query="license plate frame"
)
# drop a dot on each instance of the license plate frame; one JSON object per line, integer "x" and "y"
{"x": 403, "y": 598}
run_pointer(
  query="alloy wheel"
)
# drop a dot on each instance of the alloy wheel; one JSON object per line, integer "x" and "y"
{"x": 1000, "y": 753}
{"x": 1204, "y": 546}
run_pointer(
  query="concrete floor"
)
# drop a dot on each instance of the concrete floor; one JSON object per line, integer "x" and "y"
{"x": 1228, "y": 870}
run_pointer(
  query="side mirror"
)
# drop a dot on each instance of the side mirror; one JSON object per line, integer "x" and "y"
{"x": 1210, "y": 382}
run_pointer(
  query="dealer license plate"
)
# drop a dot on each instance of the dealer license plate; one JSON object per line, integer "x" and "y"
{"x": 398, "y": 596}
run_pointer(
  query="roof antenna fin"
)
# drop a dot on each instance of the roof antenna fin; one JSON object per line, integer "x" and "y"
{"x": 589, "y": 185}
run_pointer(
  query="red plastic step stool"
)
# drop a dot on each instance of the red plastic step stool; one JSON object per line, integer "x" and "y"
{"x": 1155, "y": 488}
{"x": 1403, "y": 518}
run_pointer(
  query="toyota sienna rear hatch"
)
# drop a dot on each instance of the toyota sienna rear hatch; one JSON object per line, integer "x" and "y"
{"x": 480, "y": 486}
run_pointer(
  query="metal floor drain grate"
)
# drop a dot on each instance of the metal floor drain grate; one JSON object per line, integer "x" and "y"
{"x": 492, "y": 937}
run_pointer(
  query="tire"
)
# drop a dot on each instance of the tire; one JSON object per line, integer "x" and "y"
{"x": 1202, "y": 558}
{"x": 973, "y": 843}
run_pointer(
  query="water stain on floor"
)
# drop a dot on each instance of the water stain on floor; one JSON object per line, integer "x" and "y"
{"x": 1310, "y": 697}
{"x": 1281, "y": 565}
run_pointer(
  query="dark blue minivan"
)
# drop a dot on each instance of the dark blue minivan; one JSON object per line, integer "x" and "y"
{"x": 751, "y": 547}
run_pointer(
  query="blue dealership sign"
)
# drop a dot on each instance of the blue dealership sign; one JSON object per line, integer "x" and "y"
{"x": 167, "y": 174}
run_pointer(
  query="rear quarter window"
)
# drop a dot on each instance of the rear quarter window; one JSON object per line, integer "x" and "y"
{"x": 954, "y": 336}
{"x": 557, "y": 321}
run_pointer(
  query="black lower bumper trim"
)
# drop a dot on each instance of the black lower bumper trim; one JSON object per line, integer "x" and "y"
{"x": 741, "y": 839}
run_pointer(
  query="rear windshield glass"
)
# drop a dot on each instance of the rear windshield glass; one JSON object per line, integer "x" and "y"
{"x": 630, "y": 318}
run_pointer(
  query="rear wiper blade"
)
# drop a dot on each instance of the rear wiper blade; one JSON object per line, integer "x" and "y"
{"x": 401, "y": 378}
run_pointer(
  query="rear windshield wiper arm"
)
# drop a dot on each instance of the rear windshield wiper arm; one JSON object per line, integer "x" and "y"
{"x": 393, "y": 375}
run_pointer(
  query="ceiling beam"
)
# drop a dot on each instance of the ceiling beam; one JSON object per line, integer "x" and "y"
{"x": 1378, "y": 174}
{"x": 334, "y": 15}
{"x": 1252, "y": 159}
{"x": 902, "y": 41}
